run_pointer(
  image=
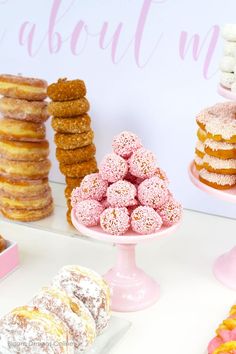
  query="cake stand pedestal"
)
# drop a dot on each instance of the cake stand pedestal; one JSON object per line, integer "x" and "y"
{"x": 132, "y": 289}
{"x": 224, "y": 267}
{"x": 226, "y": 93}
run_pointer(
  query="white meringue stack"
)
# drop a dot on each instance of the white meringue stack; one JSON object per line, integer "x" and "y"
{"x": 228, "y": 61}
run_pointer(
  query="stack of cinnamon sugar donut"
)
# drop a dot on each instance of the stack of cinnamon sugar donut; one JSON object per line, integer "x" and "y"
{"x": 215, "y": 153}
{"x": 25, "y": 194}
{"x": 74, "y": 136}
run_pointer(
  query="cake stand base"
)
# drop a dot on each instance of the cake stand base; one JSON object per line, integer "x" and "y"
{"x": 225, "y": 269}
{"x": 132, "y": 289}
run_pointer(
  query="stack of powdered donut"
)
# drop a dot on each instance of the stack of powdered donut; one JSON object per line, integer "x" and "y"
{"x": 215, "y": 153}
{"x": 228, "y": 61}
{"x": 25, "y": 194}
{"x": 74, "y": 137}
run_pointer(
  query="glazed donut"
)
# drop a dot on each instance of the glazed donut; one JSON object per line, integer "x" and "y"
{"x": 229, "y": 32}
{"x": 73, "y": 141}
{"x": 66, "y": 90}
{"x": 79, "y": 169}
{"x": 227, "y": 64}
{"x": 201, "y": 134}
{"x": 230, "y": 48}
{"x": 24, "y": 151}
{"x": 27, "y": 215}
{"x": 12, "y": 129}
{"x": 220, "y": 166}
{"x": 198, "y": 162}
{"x": 199, "y": 150}
{"x": 75, "y": 125}
{"x": 31, "y": 203}
{"x": 3, "y": 244}
{"x": 74, "y": 181}
{"x": 75, "y": 155}
{"x": 31, "y": 330}
{"x": 68, "y": 108}
{"x": 216, "y": 180}
{"x": 26, "y": 88}
{"x": 226, "y": 79}
{"x": 24, "y": 187}
{"x": 25, "y": 169}
{"x": 220, "y": 149}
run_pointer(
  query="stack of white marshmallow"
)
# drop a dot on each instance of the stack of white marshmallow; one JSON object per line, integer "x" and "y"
{"x": 228, "y": 62}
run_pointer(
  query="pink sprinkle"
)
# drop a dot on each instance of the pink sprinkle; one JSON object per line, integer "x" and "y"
{"x": 142, "y": 163}
{"x": 93, "y": 187}
{"x": 153, "y": 192}
{"x": 88, "y": 212}
{"x": 145, "y": 220}
{"x": 113, "y": 168}
{"x": 121, "y": 194}
{"x": 170, "y": 212}
{"x": 115, "y": 221}
{"x": 76, "y": 196}
{"x": 125, "y": 143}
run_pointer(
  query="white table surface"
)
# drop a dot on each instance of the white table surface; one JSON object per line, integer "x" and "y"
{"x": 192, "y": 302}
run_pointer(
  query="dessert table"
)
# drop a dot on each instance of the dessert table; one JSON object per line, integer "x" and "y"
{"x": 192, "y": 302}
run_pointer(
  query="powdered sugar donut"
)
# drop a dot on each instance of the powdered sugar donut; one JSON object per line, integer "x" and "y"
{"x": 229, "y": 32}
{"x": 76, "y": 196}
{"x": 72, "y": 312}
{"x": 90, "y": 288}
{"x": 152, "y": 192}
{"x": 170, "y": 212}
{"x": 227, "y": 64}
{"x": 230, "y": 48}
{"x": 113, "y": 168}
{"x": 88, "y": 212}
{"x": 142, "y": 163}
{"x": 121, "y": 194}
{"x": 93, "y": 187}
{"x": 125, "y": 143}
{"x": 216, "y": 180}
{"x": 227, "y": 79}
{"x": 115, "y": 221}
{"x": 145, "y": 220}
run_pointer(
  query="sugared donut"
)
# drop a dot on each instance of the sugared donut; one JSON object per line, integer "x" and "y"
{"x": 3, "y": 244}
{"x": 202, "y": 135}
{"x": 31, "y": 330}
{"x": 115, "y": 221}
{"x": 66, "y": 90}
{"x": 72, "y": 125}
{"x": 215, "y": 165}
{"x": 69, "y": 108}
{"x": 27, "y": 88}
{"x": 76, "y": 196}
{"x": 13, "y": 129}
{"x": 93, "y": 187}
{"x": 113, "y": 168}
{"x": 73, "y": 141}
{"x": 199, "y": 149}
{"x": 22, "y": 203}
{"x": 90, "y": 288}
{"x": 22, "y": 187}
{"x": 142, "y": 163}
{"x": 25, "y": 169}
{"x": 145, "y": 220}
{"x": 152, "y": 192}
{"x": 216, "y": 180}
{"x": 121, "y": 194}
{"x": 80, "y": 169}
{"x": 73, "y": 181}
{"x": 88, "y": 212}
{"x": 170, "y": 212}
{"x": 24, "y": 150}
{"x": 76, "y": 155}
{"x": 220, "y": 149}
{"x": 125, "y": 143}
{"x": 33, "y": 111}
{"x": 198, "y": 162}
{"x": 71, "y": 311}
{"x": 27, "y": 215}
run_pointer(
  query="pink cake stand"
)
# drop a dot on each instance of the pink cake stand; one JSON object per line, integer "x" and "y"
{"x": 224, "y": 267}
{"x": 132, "y": 289}
{"x": 226, "y": 93}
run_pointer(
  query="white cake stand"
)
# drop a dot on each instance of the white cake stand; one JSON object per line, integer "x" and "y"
{"x": 224, "y": 267}
{"x": 132, "y": 289}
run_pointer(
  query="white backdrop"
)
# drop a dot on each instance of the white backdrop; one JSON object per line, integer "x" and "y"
{"x": 142, "y": 69}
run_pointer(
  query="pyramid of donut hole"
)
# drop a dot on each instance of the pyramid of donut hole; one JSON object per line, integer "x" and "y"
{"x": 3, "y": 244}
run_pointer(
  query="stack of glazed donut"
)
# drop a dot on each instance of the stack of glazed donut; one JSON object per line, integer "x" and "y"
{"x": 25, "y": 194}
{"x": 228, "y": 61}
{"x": 65, "y": 317}
{"x": 215, "y": 153}
{"x": 74, "y": 137}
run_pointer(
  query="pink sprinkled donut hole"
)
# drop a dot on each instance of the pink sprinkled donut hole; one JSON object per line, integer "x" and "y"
{"x": 76, "y": 196}
{"x": 162, "y": 175}
{"x": 88, "y": 212}
{"x": 171, "y": 212}
{"x": 125, "y": 143}
{"x": 115, "y": 221}
{"x": 93, "y": 187}
{"x": 121, "y": 194}
{"x": 113, "y": 168}
{"x": 153, "y": 192}
{"x": 142, "y": 163}
{"x": 145, "y": 220}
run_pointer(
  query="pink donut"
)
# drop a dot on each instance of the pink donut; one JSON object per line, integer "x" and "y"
{"x": 115, "y": 221}
{"x": 76, "y": 196}
{"x": 121, "y": 194}
{"x": 125, "y": 143}
{"x": 145, "y": 220}
{"x": 153, "y": 192}
{"x": 93, "y": 187}
{"x": 142, "y": 163}
{"x": 162, "y": 175}
{"x": 88, "y": 212}
{"x": 170, "y": 212}
{"x": 113, "y": 168}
